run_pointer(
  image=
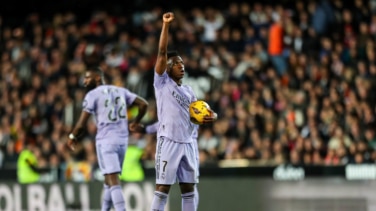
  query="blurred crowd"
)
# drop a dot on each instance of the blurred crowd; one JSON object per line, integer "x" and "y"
{"x": 291, "y": 83}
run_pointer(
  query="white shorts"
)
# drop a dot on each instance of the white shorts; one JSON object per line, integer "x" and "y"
{"x": 195, "y": 144}
{"x": 175, "y": 162}
{"x": 110, "y": 157}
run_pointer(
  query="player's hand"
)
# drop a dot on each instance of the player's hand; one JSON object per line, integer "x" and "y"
{"x": 211, "y": 118}
{"x": 136, "y": 128}
{"x": 71, "y": 144}
{"x": 168, "y": 17}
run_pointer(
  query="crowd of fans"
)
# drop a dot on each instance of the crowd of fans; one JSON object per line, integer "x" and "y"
{"x": 291, "y": 83}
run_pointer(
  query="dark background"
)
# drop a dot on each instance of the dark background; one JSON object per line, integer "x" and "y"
{"x": 14, "y": 12}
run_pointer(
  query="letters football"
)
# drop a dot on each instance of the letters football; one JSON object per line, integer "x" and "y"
{"x": 198, "y": 110}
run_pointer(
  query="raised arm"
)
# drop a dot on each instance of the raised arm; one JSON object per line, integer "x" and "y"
{"x": 161, "y": 63}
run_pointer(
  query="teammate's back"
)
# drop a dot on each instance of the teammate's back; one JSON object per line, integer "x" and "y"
{"x": 109, "y": 105}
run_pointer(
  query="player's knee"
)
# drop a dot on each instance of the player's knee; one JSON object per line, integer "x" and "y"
{"x": 112, "y": 179}
{"x": 186, "y": 187}
{"x": 163, "y": 188}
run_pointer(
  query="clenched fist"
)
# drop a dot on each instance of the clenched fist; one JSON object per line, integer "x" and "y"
{"x": 168, "y": 17}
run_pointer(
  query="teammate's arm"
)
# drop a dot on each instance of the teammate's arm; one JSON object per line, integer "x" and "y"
{"x": 161, "y": 63}
{"x": 142, "y": 105}
{"x": 78, "y": 129}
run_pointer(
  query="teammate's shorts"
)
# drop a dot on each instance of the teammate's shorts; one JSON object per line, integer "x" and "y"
{"x": 110, "y": 157}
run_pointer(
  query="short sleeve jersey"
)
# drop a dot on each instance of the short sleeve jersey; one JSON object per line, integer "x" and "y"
{"x": 173, "y": 109}
{"x": 109, "y": 106}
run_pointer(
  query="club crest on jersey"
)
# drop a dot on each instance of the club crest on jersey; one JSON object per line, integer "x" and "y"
{"x": 182, "y": 100}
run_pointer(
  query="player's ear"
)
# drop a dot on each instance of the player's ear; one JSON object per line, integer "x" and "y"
{"x": 168, "y": 69}
{"x": 97, "y": 78}
{"x": 169, "y": 66}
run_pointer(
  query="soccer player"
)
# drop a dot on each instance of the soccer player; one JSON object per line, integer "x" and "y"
{"x": 108, "y": 104}
{"x": 175, "y": 158}
{"x": 152, "y": 129}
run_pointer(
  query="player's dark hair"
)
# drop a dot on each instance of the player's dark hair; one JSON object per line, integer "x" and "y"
{"x": 99, "y": 71}
{"x": 172, "y": 54}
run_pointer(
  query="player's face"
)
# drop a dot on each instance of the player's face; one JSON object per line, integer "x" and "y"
{"x": 90, "y": 80}
{"x": 176, "y": 68}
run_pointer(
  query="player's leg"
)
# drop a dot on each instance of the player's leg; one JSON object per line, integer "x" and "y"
{"x": 160, "y": 197}
{"x": 188, "y": 177}
{"x": 110, "y": 159}
{"x": 117, "y": 195}
{"x": 187, "y": 196}
{"x": 166, "y": 162}
{"x": 196, "y": 196}
{"x": 106, "y": 197}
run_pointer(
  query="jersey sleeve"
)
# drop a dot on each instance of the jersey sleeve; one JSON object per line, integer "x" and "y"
{"x": 129, "y": 97}
{"x": 88, "y": 104}
{"x": 152, "y": 128}
{"x": 160, "y": 80}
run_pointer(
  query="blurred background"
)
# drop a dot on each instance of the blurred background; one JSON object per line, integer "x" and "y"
{"x": 293, "y": 83}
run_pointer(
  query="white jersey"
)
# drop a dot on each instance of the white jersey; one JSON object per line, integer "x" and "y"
{"x": 173, "y": 109}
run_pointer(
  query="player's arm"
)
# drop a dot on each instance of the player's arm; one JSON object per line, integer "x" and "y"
{"x": 78, "y": 129}
{"x": 142, "y": 105}
{"x": 161, "y": 63}
{"x": 148, "y": 129}
{"x": 151, "y": 129}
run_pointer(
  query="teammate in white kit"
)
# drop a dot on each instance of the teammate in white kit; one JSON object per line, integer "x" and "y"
{"x": 175, "y": 158}
{"x": 109, "y": 105}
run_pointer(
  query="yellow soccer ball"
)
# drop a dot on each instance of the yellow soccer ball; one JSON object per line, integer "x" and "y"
{"x": 198, "y": 110}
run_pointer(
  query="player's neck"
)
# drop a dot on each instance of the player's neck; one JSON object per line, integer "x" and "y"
{"x": 177, "y": 81}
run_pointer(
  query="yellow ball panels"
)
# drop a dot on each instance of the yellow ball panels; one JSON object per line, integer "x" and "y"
{"x": 198, "y": 110}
